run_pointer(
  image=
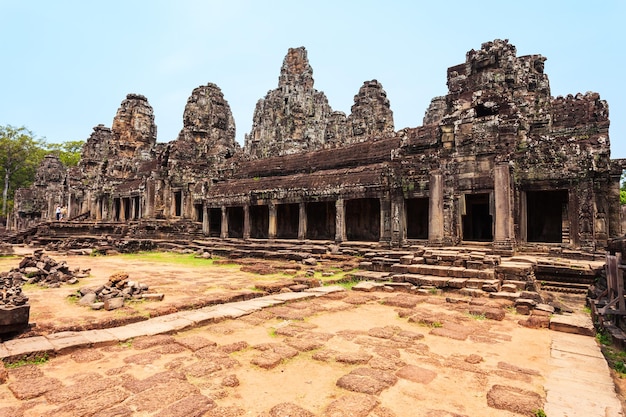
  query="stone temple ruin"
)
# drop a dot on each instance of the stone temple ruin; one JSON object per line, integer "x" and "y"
{"x": 498, "y": 162}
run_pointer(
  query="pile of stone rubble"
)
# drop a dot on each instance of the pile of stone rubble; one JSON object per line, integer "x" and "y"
{"x": 41, "y": 269}
{"x": 115, "y": 292}
{"x": 11, "y": 290}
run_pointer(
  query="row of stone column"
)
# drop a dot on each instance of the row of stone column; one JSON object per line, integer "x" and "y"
{"x": 503, "y": 233}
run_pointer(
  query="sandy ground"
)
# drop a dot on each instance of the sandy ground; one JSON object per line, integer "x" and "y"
{"x": 346, "y": 354}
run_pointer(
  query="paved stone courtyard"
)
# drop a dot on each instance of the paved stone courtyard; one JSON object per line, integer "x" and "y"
{"x": 330, "y": 353}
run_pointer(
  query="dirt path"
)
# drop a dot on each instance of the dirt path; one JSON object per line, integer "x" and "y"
{"x": 345, "y": 354}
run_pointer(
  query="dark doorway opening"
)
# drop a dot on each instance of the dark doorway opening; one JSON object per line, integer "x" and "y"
{"x": 259, "y": 222}
{"x": 137, "y": 207}
{"x": 235, "y": 221}
{"x": 477, "y": 221}
{"x": 116, "y": 209}
{"x": 126, "y": 205}
{"x": 199, "y": 212}
{"x": 215, "y": 222}
{"x": 546, "y": 212}
{"x": 320, "y": 220}
{"x": 178, "y": 203}
{"x": 416, "y": 218}
{"x": 363, "y": 219}
{"x": 287, "y": 220}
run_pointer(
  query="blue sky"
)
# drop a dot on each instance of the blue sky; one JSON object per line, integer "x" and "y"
{"x": 68, "y": 64}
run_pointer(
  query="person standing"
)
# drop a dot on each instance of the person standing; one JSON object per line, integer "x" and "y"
{"x": 58, "y": 212}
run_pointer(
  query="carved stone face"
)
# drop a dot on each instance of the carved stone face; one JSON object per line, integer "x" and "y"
{"x": 538, "y": 64}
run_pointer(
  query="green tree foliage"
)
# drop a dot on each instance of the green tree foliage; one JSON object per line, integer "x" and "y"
{"x": 622, "y": 190}
{"x": 68, "y": 152}
{"x": 20, "y": 155}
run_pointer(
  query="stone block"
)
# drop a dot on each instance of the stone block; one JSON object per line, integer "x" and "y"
{"x": 414, "y": 268}
{"x": 509, "y": 288}
{"x": 399, "y": 268}
{"x": 505, "y": 295}
{"x": 474, "y": 283}
{"x": 472, "y": 292}
{"x": 457, "y": 282}
{"x": 152, "y": 297}
{"x": 406, "y": 259}
{"x": 113, "y": 303}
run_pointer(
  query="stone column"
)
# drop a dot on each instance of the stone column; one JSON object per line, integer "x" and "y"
{"x": 246, "y": 221}
{"x": 99, "y": 209}
{"x": 340, "y": 223}
{"x": 205, "y": 220}
{"x": 271, "y": 233}
{"x": 398, "y": 222}
{"x": 504, "y": 208}
{"x": 302, "y": 221}
{"x": 133, "y": 208}
{"x": 69, "y": 205}
{"x": 122, "y": 213}
{"x": 435, "y": 212}
{"x": 224, "y": 231}
{"x": 385, "y": 218}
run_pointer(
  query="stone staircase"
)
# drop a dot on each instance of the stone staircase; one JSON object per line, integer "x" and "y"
{"x": 478, "y": 272}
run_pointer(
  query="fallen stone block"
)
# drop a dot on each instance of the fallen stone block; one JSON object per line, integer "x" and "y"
{"x": 114, "y": 303}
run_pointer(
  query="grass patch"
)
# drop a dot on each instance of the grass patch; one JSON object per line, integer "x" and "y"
{"x": 347, "y": 283}
{"x": 603, "y": 338}
{"x": 187, "y": 259}
{"x": 540, "y": 413}
{"x": 477, "y": 316}
{"x": 28, "y": 360}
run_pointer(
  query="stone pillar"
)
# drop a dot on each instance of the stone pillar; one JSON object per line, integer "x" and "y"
{"x": 271, "y": 233}
{"x": 340, "y": 223}
{"x": 122, "y": 213}
{"x": 99, "y": 209}
{"x": 205, "y": 220}
{"x": 435, "y": 212}
{"x": 503, "y": 207}
{"x": 224, "y": 231}
{"x": 385, "y": 218}
{"x": 302, "y": 221}
{"x": 69, "y": 206}
{"x": 398, "y": 222}
{"x": 133, "y": 208}
{"x": 246, "y": 221}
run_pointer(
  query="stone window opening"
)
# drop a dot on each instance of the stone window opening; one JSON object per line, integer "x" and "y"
{"x": 486, "y": 109}
{"x": 199, "y": 212}
{"x": 178, "y": 203}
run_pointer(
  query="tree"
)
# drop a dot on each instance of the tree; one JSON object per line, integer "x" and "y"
{"x": 20, "y": 155}
{"x": 622, "y": 190}
{"x": 68, "y": 152}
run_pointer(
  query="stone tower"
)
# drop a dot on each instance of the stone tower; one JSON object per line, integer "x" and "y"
{"x": 293, "y": 117}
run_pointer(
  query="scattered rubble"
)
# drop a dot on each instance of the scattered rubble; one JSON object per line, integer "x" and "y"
{"x": 41, "y": 269}
{"x": 114, "y": 293}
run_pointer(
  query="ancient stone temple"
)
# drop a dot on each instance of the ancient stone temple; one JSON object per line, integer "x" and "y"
{"x": 497, "y": 161}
